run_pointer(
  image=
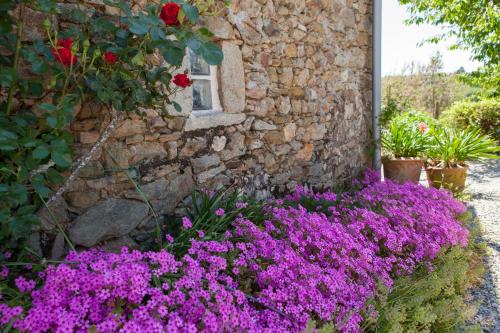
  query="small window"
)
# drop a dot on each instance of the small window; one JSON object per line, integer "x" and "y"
{"x": 205, "y": 85}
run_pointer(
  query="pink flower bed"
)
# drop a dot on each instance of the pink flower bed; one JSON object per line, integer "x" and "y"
{"x": 299, "y": 265}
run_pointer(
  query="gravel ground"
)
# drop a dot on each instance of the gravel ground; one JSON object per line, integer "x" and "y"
{"x": 483, "y": 184}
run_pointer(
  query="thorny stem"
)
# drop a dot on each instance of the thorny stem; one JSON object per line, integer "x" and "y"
{"x": 84, "y": 160}
{"x": 19, "y": 34}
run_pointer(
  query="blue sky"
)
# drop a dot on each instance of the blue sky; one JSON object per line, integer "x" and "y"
{"x": 399, "y": 43}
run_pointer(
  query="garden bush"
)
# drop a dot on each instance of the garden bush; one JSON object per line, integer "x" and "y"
{"x": 484, "y": 114}
{"x": 125, "y": 60}
{"x": 320, "y": 265}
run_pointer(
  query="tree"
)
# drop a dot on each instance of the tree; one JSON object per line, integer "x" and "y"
{"x": 473, "y": 25}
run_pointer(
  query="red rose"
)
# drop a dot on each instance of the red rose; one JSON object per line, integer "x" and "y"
{"x": 182, "y": 80}
{"x": 63, "y": 55}
{"x": 110, "y": 57}
{"x": 62, "y": 52}
{"x": 66, "y": 43}
{"x": 169, "y": 13}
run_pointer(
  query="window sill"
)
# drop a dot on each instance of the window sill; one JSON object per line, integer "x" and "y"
{"x": 212, "y": 118}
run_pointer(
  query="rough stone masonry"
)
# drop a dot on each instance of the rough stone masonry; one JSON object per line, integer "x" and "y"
{"x": 295, "y": 86}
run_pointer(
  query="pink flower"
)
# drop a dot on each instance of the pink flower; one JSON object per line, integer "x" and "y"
{"x": 220, "y": 212}
{"x": 4, "y": 272}
{"x": 169, "y": 238}
{"x": 201, "y": 234}
{"x": 422, "y": 127}
{"x": 24, "y": 285}
{"x": 241, "y": 205}
{"x": 186, "y": 223}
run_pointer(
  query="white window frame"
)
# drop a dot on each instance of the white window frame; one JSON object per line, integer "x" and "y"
{"x": 214, "y": 89}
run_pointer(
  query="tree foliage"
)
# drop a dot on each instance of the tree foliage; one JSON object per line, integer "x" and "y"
{"x": 473, "y": 25}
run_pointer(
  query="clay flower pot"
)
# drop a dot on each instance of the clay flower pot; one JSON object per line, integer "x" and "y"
{"x": 449, "y": 178}
{"x": 402, "y": 171}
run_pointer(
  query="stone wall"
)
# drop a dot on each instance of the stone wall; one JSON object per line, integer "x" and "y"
{"x": 296, "y": 90}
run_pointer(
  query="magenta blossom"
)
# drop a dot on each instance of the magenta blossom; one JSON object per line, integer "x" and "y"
{"x": 186, "y": 223}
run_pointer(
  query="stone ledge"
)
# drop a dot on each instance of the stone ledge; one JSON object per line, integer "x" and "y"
{"x": 196, "y": 122}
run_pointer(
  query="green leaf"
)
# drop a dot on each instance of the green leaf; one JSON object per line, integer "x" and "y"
{"x": 7, "y": 76}
{"x": 18, "y": 194}
{"x": 191, "y": 12}
{"x": 19, "y": 227}
{"x": 47, "y": 107}
{"x": 174, "y": 55}
{"x": 195, "y": 45}
{"x": 47, "y": 5}
{"x": 138, "y": 27}
{"x": 177, "y": 107}
{"x": 212, "y": 53}
{"x": 54, "y": 177}
{"x": 138, "y": 59}
{"x": 5, "y": 24}
{"x": 205, "y": 32}
{"x": 61, "y": 160}
{"x": 103, "y": 24}
{"x": 7, "y": 135}
{"x": 157, "y": 34}
{"x": 8, "y": 145}
{"x": 40, "y": 152}
{"x": 59, "y": 145}
{"x": 39, "y": 67}
{"x": 52, "y": 121}
{"x": 42, "y": 190}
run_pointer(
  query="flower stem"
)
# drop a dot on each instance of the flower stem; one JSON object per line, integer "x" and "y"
{"x": 19, "y": 34}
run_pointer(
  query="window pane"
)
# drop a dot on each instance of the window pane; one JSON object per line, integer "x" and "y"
{"x": 198, "y": 65}
{"x": 202, "y": 96}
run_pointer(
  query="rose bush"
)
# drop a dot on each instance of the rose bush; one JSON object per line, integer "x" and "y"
{"x": 124, "y": 61}
{"x": 315, "y": 257}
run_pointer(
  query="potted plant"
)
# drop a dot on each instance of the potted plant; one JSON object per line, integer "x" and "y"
{"x": 403, "y": 143}
{"x": 449, "y": 151}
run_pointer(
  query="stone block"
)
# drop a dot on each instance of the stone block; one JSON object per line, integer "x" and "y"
{"x": 203, "y": 163}
{"x": 232, "y": 79}
{"x": 130, "y": 127}
{"x": 207, "y": 175}
{"x": 108, "y": 219}
{"x": 218, "y": 143}
{"x": 260, "y": 125}
{"x": 194, "y": 123}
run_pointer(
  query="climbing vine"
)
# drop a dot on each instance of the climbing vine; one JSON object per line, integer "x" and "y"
{"x": 125, "y": 61}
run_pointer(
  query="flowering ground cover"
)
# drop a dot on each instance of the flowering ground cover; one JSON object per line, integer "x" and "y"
{"x": 314, "y": 257}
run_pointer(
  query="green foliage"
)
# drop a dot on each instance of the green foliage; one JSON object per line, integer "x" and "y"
{"x": 203, "y": 217}
{"x": 473, "y": 24}
{"x": 390, "y": 109}
{"x": 432, "y": 301}
{"x": 484, "y": 114}
{"x": 405, "y": 136}
{"x": 452, "y": 147}
{"x": 38, "y": 102}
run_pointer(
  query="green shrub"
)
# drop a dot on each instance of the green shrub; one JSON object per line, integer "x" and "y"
{"x": 405, "y": 136}
{"x": 484, "y": 114}
{"x": 454, "y": 147}
{"x": 211, "y": 215}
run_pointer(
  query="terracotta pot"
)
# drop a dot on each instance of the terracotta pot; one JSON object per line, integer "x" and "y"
{"x": 450, "y": 178}
{"x": 402, "y": 171}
